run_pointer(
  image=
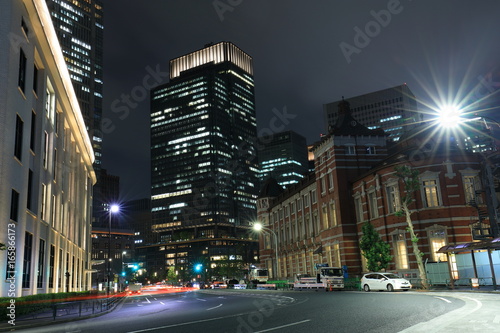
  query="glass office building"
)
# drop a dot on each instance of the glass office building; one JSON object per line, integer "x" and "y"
{"x": 394, "y": 110}
{"x": 284, "y": 157}
{"x": 203, "y": 156}
{"x": 203, "y": 130}
{"x": 80, "y": 30}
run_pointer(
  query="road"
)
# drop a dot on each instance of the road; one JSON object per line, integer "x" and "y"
{"x": 268, "y": 311}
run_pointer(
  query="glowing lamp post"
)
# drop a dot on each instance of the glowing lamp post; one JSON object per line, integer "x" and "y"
{"x": 259, "y": 227}
{"x": 113, "y": 209}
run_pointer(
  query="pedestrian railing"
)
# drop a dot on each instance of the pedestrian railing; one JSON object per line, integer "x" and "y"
{"x": 63, "y": 309}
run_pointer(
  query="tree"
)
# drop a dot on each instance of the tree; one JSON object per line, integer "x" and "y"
{"x": 171, "y": 275}
{"x": 411, "y": 183}
{"x": 375, "y": 250}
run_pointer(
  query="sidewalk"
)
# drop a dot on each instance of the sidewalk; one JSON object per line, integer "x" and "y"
{"x": 61, "y": 313}
{"x": 480, "y": 313}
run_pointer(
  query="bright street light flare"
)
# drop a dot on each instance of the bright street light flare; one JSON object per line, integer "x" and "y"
{"x": 449, "y": 116}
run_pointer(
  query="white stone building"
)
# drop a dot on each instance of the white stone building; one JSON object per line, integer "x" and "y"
{"x": 46, "y": 157}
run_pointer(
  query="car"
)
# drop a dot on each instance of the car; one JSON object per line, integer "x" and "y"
{"x": 384, "y": 281}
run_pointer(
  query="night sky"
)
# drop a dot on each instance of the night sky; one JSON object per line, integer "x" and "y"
{"x": 305, "y": 53}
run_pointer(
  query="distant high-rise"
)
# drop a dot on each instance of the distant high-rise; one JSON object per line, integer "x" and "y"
{"x": 203, "y": 156}
{"x": 80, "y": 30}
{"x": 283, "y": 157}
{"x": 394, "y": 110}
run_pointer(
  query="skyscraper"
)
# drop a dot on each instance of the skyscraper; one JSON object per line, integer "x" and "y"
{"x": 203, "y": 156}
{"x": 394, "y": 110}
{"x": 284, "y": 157}
{"x": 80, "y": 30}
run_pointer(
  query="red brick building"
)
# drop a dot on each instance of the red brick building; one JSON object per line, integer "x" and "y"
{"x": 319, "y": 220}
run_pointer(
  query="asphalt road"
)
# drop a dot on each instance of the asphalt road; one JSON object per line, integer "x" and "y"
{"x": 266, "y": 311}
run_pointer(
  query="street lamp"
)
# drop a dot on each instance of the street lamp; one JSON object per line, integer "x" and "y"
{"x": 451, "y": 117}
{"x": 258, "y": 227}
{"x": 114, "y": 208}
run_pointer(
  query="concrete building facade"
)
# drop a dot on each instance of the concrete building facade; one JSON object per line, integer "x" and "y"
{"x": 46, "y": 159}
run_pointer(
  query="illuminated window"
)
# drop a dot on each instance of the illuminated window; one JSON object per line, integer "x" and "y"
{"x": 430, "y": 192}
{"x": 333, "y": 214}
{"x": 324, "y": 216}
{"x": 400, "y": 250}
{"x": 437, "y": 239}
{"x": 393, "y": 199}
{"x": 471, "y": 185}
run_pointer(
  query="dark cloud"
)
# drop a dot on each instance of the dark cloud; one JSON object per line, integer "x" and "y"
{"x": 444, "y": 45}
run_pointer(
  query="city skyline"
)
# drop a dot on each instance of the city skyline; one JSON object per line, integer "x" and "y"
{"x": 300, "y": 60}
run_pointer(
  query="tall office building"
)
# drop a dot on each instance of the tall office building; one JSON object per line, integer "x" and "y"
{"x": 394, "y": 110}
{"x": 203, "y": 156}
{"x": 46, "y": 158}
{"x": 80, "y": 30}
{"x": 284, "y": 157}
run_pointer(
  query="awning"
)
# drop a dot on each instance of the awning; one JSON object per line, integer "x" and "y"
{"x": 482, "y": 245}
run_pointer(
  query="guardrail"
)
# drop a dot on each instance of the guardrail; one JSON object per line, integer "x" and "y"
{"x": 71, "y": 308}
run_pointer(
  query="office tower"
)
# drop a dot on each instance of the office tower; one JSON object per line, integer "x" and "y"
{"x": 138, "y": 218}
{"x": 46, "y": 160}
{"x": 478, "y": 134}
{"x": 284, "y": 157}
{"x": 394, "y": 110}
{"x": 203, "y": 156}
{"x": 80, "y": 30}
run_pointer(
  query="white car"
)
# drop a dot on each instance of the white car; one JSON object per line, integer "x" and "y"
{"x": 384, "y": 281}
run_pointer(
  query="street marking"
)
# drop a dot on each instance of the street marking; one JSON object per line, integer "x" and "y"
{"x": 443, "y": 299}
{"x": 162, "y": 303}
{"x": 497, "y": 319}
{"x": 282, "y": 326}
{"x": 201, "y": 299}
{"x": 215, "y": 307}
{"x": 148, "y": 301}
{"x": 155, "y": 298}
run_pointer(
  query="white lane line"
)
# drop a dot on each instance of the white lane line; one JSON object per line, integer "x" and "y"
{"x": 201, "y": 299}
{"x": 282, "y": 326}
{"x": 147, "y": 300}
{"x": 443, "y": 299}
{"x": 215, "y": 307}
{"x": 162, "y": 303}
{"x": 183, "y": 324}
